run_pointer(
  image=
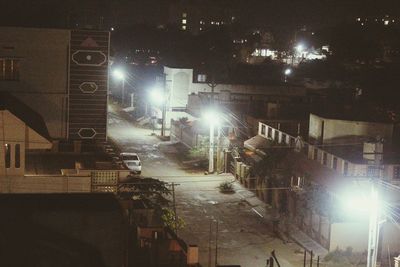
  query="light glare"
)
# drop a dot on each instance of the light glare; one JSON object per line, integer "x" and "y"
{"x": 119, "y": 74}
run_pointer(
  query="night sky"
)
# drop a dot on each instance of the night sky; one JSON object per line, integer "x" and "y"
{"x": 57, "y": 13}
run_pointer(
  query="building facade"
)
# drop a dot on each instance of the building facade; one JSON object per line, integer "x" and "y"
{"x": 60, "y": 74}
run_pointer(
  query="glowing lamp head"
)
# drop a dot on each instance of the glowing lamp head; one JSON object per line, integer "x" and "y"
{"x": 157, "y": 96}
{"x": 211, "y": 117}
{"x": 288, "y": 71}
{"x": 119, "y": 74}
{"x": 300, "y": 48}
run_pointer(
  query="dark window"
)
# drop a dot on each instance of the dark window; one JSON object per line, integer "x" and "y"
{"x": 315, "y": 156}
{"x": 276, "y": 135}
{"x": 9, "y": 69}
{"x": 284, "y": 138}
{"x": 17, "y": 156}
{"x": 396, "y": 172}
{"x": 269, "y": 132}
{"x": 346, "y": 168}
{"x": 324, "y": 158}
{"x": 334, "y": 163}
{"x": 372, "y": 171}
{"x": 262, "y": 129}
{"x": 7, "y": 155}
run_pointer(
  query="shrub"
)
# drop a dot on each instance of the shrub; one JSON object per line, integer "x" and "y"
{"x": 226, "y": 187}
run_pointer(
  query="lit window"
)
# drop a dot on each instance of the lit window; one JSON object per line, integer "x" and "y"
{"x": 184, "y": 27}
{"x": 7, "y": 155}
{"x": 184, "y": 21}
{"x": 184, "y": 15}
{"x": 201, "y": 78}
{"x": 201, "y": 29}
{"x": 217, "y": 23}
{"x": 17, "y": 156}
{"x": 212, "y": 22}
{"x": 386, "y": 22}
{"x": 9, "y": 69}
{"x": 202, "y": 22}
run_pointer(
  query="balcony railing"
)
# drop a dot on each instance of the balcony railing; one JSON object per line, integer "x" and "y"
{"x": 313, "y": 152}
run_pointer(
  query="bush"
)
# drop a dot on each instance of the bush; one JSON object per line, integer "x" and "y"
{"x": 226, "y": 187}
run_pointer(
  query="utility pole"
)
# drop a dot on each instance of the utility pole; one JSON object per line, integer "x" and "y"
{"x": 164, "y": 107}
{"x": 209, "y": 245}
{"x": 216, "y": 246}
{"x": 218, "y": 149}
{"x": 373, "y": 229}
{"x": 123, "y": 91}
{"x": 211, "y": 150}
{"x": 174, "y": 204}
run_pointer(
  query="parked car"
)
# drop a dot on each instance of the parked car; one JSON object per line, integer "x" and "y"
{"x": 131, "y": 161}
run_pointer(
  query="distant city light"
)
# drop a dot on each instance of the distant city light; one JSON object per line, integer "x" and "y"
{"x": 112, "y": 28}
{"x": 386, "y": 22}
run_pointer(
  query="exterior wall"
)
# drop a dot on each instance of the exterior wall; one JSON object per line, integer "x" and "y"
{"x": 43, "y": 83}
{"x": 179, "y": 84}
{"x": 340, "y": 233}
{"x": 349, "y": 130}
{"x": 13, "y": 131}
{"x": 88, "y": 86}
{"x": 46, "y": 68}
{"x": 70, "y": 181}
{"x": 45, "y": 184}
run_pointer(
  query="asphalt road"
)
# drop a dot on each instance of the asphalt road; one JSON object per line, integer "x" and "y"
{"x": 244, "y": 236}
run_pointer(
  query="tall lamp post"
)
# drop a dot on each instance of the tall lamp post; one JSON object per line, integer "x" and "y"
{"x": 158, "y": 97}
{"x": 212, "y": 118}
{"x": 368, "y": 204}
{"x": 120, "y": 75}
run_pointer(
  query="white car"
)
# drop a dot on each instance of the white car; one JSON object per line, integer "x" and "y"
{"x": 131, "y": 161}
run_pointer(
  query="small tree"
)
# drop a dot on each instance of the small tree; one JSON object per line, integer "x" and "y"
{"x": 156, "y": 193}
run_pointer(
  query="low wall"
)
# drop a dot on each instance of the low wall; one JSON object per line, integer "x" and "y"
{"x": 45, "y": 184}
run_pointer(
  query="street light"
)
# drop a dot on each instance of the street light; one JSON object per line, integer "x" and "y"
{"x": 367, "y": 204}
{"x": 211, "y": 117}
{"x": 287, "y": 72}
{"x": 120, "y": 75}
{"x": 300, "y": 48}
{"x": 158, "y": 97}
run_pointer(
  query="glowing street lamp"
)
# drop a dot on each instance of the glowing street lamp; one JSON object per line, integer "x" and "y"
{"x": 158, "y": 97}
{"x": 367, "y": 204}
{"x": 300, "y": 48}
{"x": 288, "y": 71}
{"x": 211, "y": 117}
{"x": 119, "y": 74}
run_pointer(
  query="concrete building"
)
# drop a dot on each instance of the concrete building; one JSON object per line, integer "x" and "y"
{"x": 199, "y": 16}
{"x": 182, "y": 85}
{"x": 60, "y": 74}
{"x": 29, "y": 164}
{"x": 337, "y": 168}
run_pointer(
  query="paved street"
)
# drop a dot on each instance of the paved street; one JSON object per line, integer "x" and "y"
{"x": 244, "y": 229}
